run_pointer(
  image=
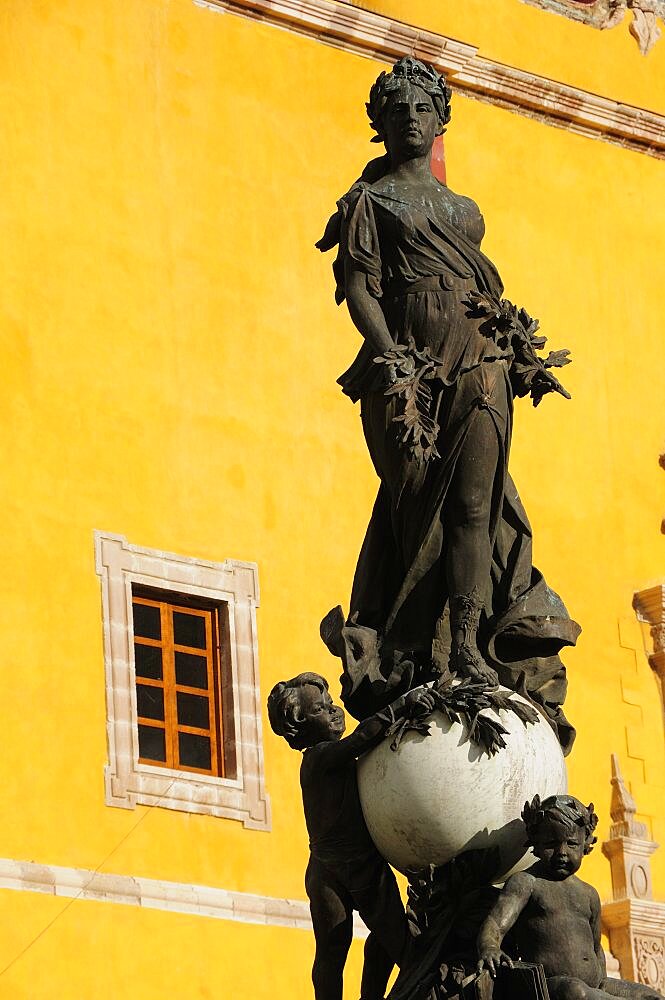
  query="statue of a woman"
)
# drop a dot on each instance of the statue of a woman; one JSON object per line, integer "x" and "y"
{"x": 445, "y": 576}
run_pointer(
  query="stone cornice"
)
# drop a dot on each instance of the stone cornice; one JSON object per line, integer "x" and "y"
{"x": 379, "y": 37}
{"x": 650, "y": 607}
{"x": 640, "y": 848}
{"x": 645, "y": 914}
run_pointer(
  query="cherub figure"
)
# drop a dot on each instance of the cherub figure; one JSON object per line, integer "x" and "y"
{"x": 345, "y": 870}
{"x": 553, "y": 915}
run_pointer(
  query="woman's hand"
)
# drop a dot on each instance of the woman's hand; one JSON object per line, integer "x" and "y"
{"x": 421, "y": 701}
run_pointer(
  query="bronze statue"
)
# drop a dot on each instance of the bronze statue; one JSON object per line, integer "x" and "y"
{"x": 554, "y": 917}
{"x": 345, "y": 870}
{"x": 444, "y": 578}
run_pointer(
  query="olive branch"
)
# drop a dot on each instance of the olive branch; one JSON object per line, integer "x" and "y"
{"x": 511, "y": 327}
{"x": 463, "y": 702}
{"x": 409, "y": 373}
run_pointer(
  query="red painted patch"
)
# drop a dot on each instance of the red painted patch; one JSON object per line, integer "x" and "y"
{"x": 439, "y": 159}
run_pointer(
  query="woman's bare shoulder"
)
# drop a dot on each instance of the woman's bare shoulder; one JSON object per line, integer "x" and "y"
{"x": 462, "y": 199}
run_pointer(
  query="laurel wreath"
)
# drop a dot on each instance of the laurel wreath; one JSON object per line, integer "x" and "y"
{"x": 464, "y": 702}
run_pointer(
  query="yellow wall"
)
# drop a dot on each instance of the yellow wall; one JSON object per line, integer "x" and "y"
{"x": 170, "y": 348}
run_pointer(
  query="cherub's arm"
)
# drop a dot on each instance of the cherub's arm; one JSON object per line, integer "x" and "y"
{"x": 370, "y": 732}
{"x": 595, "y": 930}
{"x": 514, "y": 897}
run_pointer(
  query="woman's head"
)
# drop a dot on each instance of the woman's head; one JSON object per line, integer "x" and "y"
{"x": 413, "y": 97}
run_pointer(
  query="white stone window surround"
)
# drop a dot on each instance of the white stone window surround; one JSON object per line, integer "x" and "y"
{"x": 243, "y": 797}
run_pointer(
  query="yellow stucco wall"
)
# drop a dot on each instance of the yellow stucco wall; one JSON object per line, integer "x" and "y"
{"x": 170, "y": 348}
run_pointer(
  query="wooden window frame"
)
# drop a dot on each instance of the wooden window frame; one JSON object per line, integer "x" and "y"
{"x": 232, "y": 587}
{"x": 213, "y": 654}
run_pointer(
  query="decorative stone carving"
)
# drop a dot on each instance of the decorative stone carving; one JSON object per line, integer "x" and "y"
{"x": 633, "y": 921}
{"x": 597, "y": 13}
{"x": 650, "y": 960}
{"x": 609, "y": 13}
{"x": 649, "y": 605}
{"x": 628, "y": 848}
{"x": 644, "y": 27}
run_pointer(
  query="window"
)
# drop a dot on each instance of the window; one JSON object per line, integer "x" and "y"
{"x": 182, "y": 685}
{"x": 180, "y": 654}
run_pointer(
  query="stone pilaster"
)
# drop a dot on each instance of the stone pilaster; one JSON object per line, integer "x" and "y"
{"x": 633, "y": 920}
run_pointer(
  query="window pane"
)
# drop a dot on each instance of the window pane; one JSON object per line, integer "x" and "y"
{"x": 191, "y": 670}
{"x": 147, "y": 621}
{"x": 148, "y": 661}
{"x": 193, "y": 711}
{"x": 152, "y": 743}
{"x": 189, "y": 630}
{"x": 150, "y": 701}
{"x": 194, "y": 750}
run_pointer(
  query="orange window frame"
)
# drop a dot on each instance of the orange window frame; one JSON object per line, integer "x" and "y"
{"x": 170, "y": 725}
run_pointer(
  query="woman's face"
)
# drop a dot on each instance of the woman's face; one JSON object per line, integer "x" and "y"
{"x": 410, "y": 122}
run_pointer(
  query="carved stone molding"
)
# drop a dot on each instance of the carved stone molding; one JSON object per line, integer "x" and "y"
{"x": 628, "y": 848}
{"x": 650, "y": 607}
{"x": 385, "y": 39}
{"x": 650, "y": 960}
{"x": 157, "y": 894}
{"x": 609, "y": 13}
{"x": 636, "y": 930}
{"x": 633, "y": 921}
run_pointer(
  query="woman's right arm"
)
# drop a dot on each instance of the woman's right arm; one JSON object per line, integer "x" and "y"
{"x": 365, "y": 310}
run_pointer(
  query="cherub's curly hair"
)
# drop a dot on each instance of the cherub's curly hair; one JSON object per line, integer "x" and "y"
{"x": 565, "y": 810}
{"x": 424, "y": 76}
{"x": 284, "y": 707}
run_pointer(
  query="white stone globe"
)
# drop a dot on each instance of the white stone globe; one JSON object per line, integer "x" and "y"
{"x": 437, "y": 796}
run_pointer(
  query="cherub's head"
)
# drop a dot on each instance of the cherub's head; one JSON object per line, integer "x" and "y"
{"x": 560, "y": 831}
{"x": 302, "y": 711}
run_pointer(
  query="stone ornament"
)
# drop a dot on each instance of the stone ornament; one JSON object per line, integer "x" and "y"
{"x": 650, "y": 960}
{"x": 649, "y": 605}
{"x": 633, "y": 920}
{"x": 605, "y": 14}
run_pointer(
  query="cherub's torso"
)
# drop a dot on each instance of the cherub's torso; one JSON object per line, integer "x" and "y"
{"x": 555, "y": 929}
{"x": 333, "y": 815}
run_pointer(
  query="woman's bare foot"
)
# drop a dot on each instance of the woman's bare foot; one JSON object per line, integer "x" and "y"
{"x": 466, "y": 661}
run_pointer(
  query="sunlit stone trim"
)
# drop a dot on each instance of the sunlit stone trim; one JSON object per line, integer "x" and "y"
{"x": 120, "y": 564}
